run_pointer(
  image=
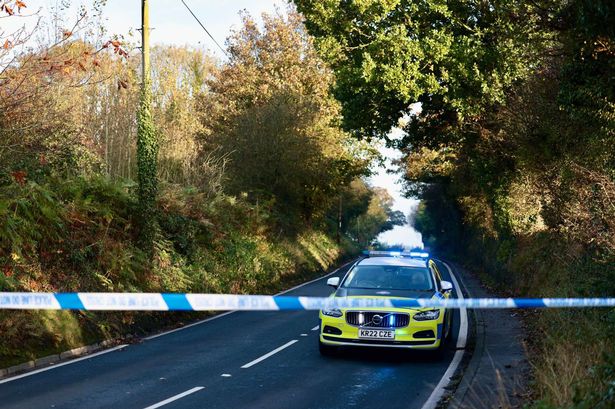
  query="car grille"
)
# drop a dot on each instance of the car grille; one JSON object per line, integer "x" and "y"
{"x": 399, "y": 319}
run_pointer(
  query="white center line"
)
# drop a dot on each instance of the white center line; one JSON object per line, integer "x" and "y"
{"x": 267, "y": 355}
{"x": 316, "y": 328}
{"x": 176, "y": 397}
{"x": 304, "y": 335}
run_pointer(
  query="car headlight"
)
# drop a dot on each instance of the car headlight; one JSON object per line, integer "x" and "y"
{"x": 333, "y": 312}
{"x": 427, "y": 315}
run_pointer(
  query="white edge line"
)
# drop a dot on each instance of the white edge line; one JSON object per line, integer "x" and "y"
{"x": 231, "y": 312}
{"x": 462, "y": 337}
{"x": 319, "y": 278}
{"x": 72, "y": 361}
{"x": 176, "y": 397}
{"x": 268, "y": 354}
{"x": 316, "y": 327}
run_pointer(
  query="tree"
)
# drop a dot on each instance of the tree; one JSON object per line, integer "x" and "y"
{"x": 179, "y": 78}
{"x": 378, "y": 218}
{"x": 453, "y": 57}
{"x": 269, "y": 111}
{"x": 42, "y": 95}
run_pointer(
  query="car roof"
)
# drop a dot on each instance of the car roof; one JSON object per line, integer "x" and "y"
{"x": 393, "y": 261}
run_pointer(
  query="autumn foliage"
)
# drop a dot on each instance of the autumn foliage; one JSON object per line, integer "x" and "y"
{"x": 248, "y": 217}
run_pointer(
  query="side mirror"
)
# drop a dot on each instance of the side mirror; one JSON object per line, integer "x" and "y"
{"x": 333, "y": 282}
{"x": 446, "y": 286}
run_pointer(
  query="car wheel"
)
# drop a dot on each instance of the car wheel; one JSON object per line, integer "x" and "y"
{"x": 326, "y": 350}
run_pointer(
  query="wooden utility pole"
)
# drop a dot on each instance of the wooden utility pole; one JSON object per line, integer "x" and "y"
{"x": 147, "y": 143}
{"x": 145, "y": 64}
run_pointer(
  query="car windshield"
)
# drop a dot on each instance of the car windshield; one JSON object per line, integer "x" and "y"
{"x": 389, "y": 278}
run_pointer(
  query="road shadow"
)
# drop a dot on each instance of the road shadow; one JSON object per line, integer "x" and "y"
{"x": 391, "y": 355}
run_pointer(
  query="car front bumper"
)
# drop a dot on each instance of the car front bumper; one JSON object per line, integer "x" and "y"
{"x": 336, "y": 331}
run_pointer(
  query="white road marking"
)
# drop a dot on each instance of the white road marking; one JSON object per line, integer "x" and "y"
{"x": 462, "y": 338}
{"x": 231, "y": 312}
{"x": 320, "y": 278}
{"x": 267, "y": 355}
{"x": 304, "y": 335}
{"x": 226, "y": 375}
{"x": 176, "y": 397}
{"x": 72, "y": 361}
{"x": 316, "y": 328}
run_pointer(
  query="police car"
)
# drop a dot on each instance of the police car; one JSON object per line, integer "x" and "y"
{"x": 392, "y": 275}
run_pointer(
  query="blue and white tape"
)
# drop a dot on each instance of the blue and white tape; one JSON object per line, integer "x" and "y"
{"x": 225, "y": 302}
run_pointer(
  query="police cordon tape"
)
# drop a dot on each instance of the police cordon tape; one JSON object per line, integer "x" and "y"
{"x": 225, "y": 302}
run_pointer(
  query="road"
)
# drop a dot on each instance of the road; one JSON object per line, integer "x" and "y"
{"x": 239, "y": 360}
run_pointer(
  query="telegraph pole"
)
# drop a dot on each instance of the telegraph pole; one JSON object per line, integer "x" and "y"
{"x": 145, "y": 66}
{"x": 147, "y": 144}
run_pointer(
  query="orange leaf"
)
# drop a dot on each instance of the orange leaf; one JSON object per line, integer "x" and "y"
{"x": 67, "y": 33}
{"x": 7, "y": 44}
{"x": 8, "y": 271}
{"x": 8, "y": 10}
{"x": 20, "y": 177}
{"x": 20, "y": 5}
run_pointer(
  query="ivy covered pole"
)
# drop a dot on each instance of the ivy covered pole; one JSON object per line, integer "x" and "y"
{"x": 147, "y": 143}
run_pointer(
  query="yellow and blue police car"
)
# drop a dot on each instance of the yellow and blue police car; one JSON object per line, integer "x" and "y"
{"x": 389, "y": 275}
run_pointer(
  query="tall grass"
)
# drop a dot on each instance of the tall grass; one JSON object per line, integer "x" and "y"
{"x": 77, "y": 235}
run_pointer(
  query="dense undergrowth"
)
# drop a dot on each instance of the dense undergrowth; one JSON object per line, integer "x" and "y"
{"x": 78, "y": 234}
{"x": 571, "y": 351}
{"x": 258, "y": 186}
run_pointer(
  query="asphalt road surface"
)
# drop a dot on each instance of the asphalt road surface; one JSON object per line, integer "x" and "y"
{"x": 239, "y": 360}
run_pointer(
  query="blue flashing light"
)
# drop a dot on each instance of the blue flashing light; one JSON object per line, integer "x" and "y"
{"x": 419, "y": 254}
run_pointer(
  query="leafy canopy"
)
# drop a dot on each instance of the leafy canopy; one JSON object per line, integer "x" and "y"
{"x": 270, "y": 113}
{"x": 452, "y": 56}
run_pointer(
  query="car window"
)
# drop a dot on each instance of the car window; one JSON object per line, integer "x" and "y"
{"x": 389, "y": 278}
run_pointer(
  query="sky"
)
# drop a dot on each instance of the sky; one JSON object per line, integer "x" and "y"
{"x": 172, "y": 24}
{"x": 405, "y": 235}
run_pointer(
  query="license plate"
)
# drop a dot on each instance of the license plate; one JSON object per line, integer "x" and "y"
{"x": 376, "y": 334}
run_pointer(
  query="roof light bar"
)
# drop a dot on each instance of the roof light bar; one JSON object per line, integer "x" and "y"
{"x": 412, "y": 254}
